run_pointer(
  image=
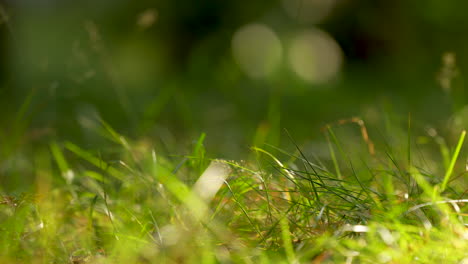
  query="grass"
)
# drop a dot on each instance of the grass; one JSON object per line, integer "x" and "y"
{"x": 392, "y": 196}
{"x": 132, "y": 204}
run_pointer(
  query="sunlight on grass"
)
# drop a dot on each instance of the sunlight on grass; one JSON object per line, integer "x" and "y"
{"x": 143, "y": 207}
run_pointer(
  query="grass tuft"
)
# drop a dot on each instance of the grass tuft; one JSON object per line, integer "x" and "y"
{"x": 131, "y": 204}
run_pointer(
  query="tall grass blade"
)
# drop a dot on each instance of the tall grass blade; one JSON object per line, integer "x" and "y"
{"x": 335, "y": 161}
{"x": 453, "y": 160}
{"x": 287, "y": 241}
{"x": 408, "y": 152}
{"x": 337, "y": 142}
{"x": 59, "y": 158}
{"x": 199, "y": 153}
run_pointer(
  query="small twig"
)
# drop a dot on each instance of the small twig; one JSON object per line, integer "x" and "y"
{"x": 362, "y": 126}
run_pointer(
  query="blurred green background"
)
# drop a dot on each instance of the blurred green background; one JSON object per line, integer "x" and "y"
{"x": 240, "y": 71}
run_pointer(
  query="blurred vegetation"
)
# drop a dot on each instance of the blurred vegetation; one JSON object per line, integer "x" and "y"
{"x": 167, "y": 71}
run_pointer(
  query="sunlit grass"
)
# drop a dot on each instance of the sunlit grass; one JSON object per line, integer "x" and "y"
{"x": 130, "y": 204}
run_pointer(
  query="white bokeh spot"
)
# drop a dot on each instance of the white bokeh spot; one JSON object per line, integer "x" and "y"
{"x": 257, "y": 50}
{"x": 315, "y": 56}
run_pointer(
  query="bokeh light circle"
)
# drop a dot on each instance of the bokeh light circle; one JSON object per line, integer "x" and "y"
{"x": 257, "y": 50}
{"x": 315, "y": 56}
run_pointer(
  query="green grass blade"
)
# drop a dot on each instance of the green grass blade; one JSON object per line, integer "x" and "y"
{"x": 94, "y": 160}
{"x": 444, "y": 150}
{"x": 408, "y": 153}
{"x": 287, "y": 241}
{"x": 449, "y": 171}
{"x": 113, "y": 135}
{"x": 280, "y": 164}
{"x": 337, "y": 143}
{"x": 335, "y": 161}
{"x": 59, "y": 158}
{"x": 199, "y": 154}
